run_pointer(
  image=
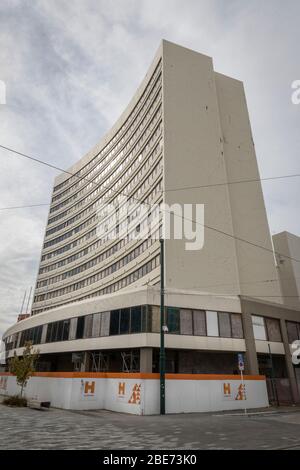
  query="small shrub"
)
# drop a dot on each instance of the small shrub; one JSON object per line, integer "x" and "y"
{"x": 15, "y": 401}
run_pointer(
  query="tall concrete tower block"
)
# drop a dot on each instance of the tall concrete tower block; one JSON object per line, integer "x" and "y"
{"x": 288, "y": 245}
{"x": 208, "y": 144}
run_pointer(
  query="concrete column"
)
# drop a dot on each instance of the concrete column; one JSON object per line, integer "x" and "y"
{"x": 288, "y": 362}
{"x": 85, "y": 363}
{"x": 146, "y": 360}
{"x": 251, "y": 356}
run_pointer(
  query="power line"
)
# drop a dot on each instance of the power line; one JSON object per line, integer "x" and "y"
{"x": 142, "y": 202}
{"x": 23, "y": 207}
{"x": 256, "y": 298}
{"x": 296, "y": 175}
{"x": 261, "y": 281}
{"x": 36, "y": 160}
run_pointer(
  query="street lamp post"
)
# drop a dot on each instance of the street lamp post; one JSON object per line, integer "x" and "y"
{"x": 162, "y": 356}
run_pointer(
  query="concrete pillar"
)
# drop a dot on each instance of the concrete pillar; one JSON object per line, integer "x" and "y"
{"x": 146, "y": 360}
{"x": 288, "y": 362}
{"x": 251, "y": 356}
{"x": 85, "y": 363}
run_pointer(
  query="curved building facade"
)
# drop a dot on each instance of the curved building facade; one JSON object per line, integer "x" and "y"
{"x": 184, "y": 138}
{"x": 76, "y": 263}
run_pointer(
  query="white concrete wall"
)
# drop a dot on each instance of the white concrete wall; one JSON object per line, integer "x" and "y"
{"x": 249, "y": 217}
{"x": 288, "y": 245}
{"x": 140, "y": 395}
{"x": 193, "y": 157}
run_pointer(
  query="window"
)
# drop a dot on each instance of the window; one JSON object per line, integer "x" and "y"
{"x": 199, "y": 320}
{"x": 96, "y": 325}
{"x": 114, "y": 322}
{"x": 136, "y": 319}
{"x": 105, "y": 323}
{"x": 173, "y": 320}
{"x": 273, "y": 329}
{"x": 212, "y": 323}
{"x": 259, "y": 327}
{"x": 54, "y": 331}
{"x": 88, "y": 326}
{"x": 34, "y": 335}
{"x": 224, "y": 325}
{"x": 80, "y": 327}
{"x": 236, "y": 325}
{"x": 293, "y": 331}
{"x": 124, "y": 321}
{"x": 49, "y": 333}
{"x": 186, "y": 322}
{"x": 65, "y": 330}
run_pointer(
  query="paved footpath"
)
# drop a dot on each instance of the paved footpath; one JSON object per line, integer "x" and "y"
{"x": 24, "y": 428}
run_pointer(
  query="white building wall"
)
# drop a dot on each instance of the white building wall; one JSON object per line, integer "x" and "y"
{"x": 288, "y": 245}
{"x": 193, "y": 157}
{"x": 257, "y": 272}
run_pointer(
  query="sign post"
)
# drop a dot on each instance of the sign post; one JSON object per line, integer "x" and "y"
{"x": 241, "y": 365}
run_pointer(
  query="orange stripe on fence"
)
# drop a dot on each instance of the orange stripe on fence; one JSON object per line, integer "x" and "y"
{"x": 140, "y": 375}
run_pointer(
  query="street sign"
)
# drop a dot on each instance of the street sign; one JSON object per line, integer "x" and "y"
{"x": 241, "y": 362}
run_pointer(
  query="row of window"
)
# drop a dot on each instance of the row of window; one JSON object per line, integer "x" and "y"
{"x": 148, "y": 155}
{"x": 147, "y": 319}
{"x": 109, "y": 176}
{"x": 144, "y": 229}
{"x": 99, "y": 172}
{"x": 266, "y": 329}
{"x": 124, "y": 282}
{"x": 139, "y": 319}
{"x": 61, "y": 250}
{"x": 106, "y": 271}
{"x": 142, "y": 103}
{"x": 155, "y": 191}
{"x": 142, "y": 156}
{"x": 100, "y": 258}
{"x": 115, "y": 190}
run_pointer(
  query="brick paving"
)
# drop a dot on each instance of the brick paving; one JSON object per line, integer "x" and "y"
{"x": 23, "y": 428}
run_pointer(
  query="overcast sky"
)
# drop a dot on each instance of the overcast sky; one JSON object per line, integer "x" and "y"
{"x": 70, "y": 68}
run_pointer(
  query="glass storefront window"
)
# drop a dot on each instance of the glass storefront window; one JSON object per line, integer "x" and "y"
{"x": 96, "y": 325}
{"x": 259, "y": 329}
{"x": 224, "y": 325}
{"x": 136, "y": 319}
{"x": 105, "y": 322}
{"x": 124, "y": 321}
{"x": 65, "y": 331}
{"x": 273, "y": 329}
{"x": 293, "y": 330}
{"x": 199, "y": 319}
{"x": 173, "y": 320}
{"x": 114, "y": 322}
{"x": 212, "y": 323}
{"x": 186, "y": 322}
{"x": 236, "y": 325}
{"x": 80, "y": 328}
